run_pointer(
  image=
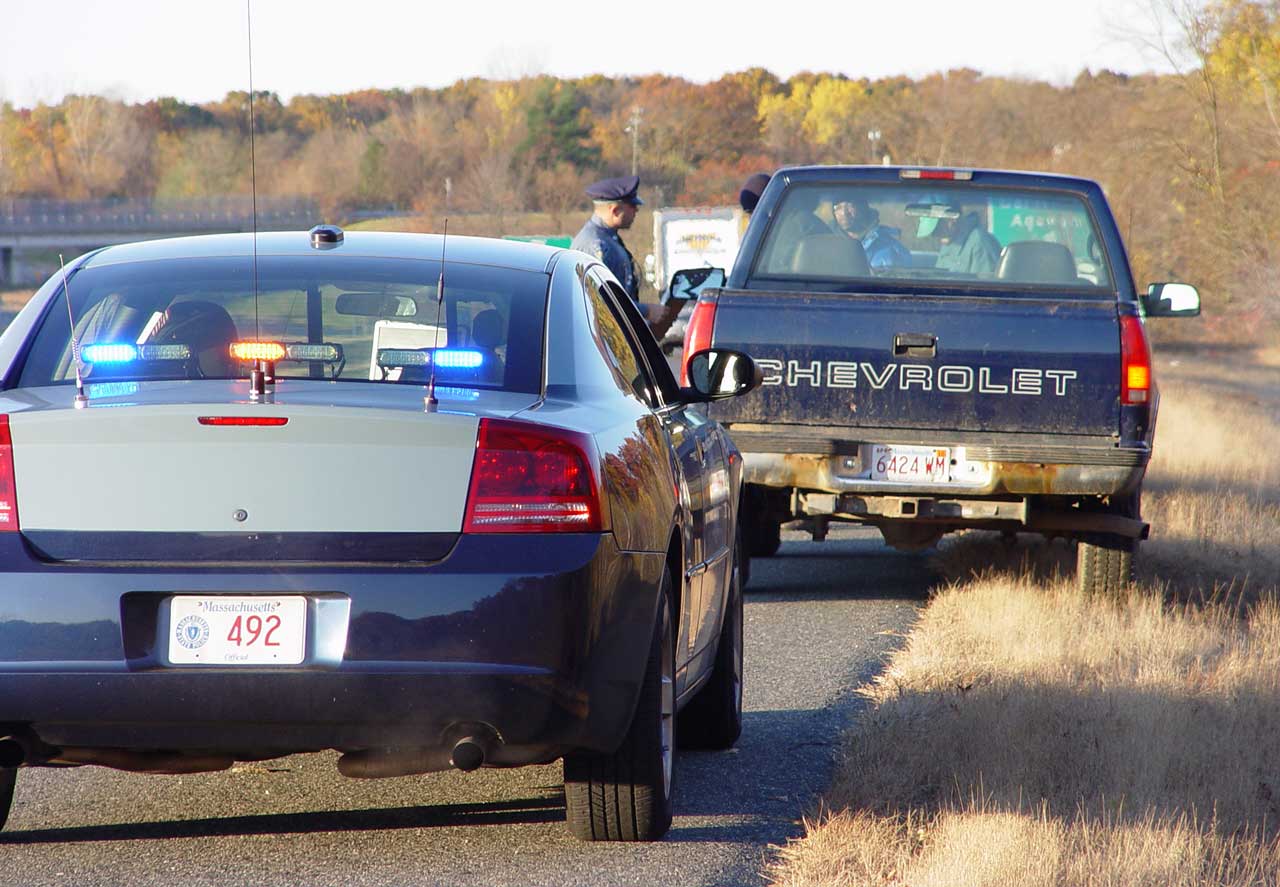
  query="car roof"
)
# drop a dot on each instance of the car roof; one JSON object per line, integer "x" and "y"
{"x": 1006, "y": 177}
{"x": 516, "y": 255}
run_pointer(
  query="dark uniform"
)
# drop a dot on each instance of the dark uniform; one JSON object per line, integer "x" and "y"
{"x": 599, "y": 240}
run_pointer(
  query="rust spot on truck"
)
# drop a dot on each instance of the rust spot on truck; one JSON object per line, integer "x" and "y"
{"x": 1025, "y": 478}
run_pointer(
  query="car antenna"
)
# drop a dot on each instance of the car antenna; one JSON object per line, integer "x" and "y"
{"x": 262, "y": 370}
{"x": 81, "y": 400}
{"x": 430, "y": 402}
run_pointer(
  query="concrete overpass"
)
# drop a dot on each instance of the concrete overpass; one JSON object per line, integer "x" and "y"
{"x": 32, "y": 232}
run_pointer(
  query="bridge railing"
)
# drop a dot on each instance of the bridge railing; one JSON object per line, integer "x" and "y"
{"x": 151, "y": 216}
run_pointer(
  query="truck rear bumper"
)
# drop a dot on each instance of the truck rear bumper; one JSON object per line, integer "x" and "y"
{"x": 992, "y": 471}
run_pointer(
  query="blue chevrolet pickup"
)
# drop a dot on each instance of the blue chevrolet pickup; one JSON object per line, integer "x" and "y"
{"x": 942, "y": 349}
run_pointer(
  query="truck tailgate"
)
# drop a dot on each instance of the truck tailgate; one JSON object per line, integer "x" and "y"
{"x": 1027, "y": 364}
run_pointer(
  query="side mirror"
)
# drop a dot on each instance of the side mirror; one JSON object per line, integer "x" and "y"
{"x": 1171, "y": 300}
{"x": 688, "y": 284}
{"x": 719, "y": 373}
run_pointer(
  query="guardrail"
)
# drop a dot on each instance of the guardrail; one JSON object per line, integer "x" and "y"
{"x": 153, "y": 216}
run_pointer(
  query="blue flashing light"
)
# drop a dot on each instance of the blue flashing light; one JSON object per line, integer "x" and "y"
{"x": 108, "y": 353}
{"x": 458, "y": 358}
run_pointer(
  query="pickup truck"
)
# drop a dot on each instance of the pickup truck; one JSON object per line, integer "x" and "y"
{"x": 942, "y": 349}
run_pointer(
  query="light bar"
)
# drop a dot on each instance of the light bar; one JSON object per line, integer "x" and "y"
{"x": 446, "y": 358}
{"x": 125, "y": 353}
{"x": 402, "y": 357}
{"x": 247, "y": 351}
{"x": 324, "y": 352}
{"x": 458, "y": 358}
{"x": 242, "y": 421}
{"x": 108, "y": 353}
{"x": 949, "y": 175}
{"x": 164, "y": 352}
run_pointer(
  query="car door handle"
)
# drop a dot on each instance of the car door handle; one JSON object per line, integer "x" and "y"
{"x": 915, "y": 345}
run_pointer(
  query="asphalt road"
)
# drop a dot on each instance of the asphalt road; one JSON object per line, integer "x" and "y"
{"x": 819, "y": 620}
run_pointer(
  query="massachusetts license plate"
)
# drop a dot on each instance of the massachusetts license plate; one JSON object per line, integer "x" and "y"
{"x": 224, "y": 630}
{"x": 896, "y": 463}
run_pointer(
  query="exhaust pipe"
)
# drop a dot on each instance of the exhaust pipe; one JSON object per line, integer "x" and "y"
{"x": 468, "y": 754}
{"x": 12, "y": 752}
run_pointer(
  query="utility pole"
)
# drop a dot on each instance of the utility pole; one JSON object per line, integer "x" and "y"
{"x": 873, "y": 136}
{"x": 637, "y": 114}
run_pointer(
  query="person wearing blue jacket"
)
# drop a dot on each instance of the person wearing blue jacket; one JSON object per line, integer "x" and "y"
{"x": 860, "y": 221}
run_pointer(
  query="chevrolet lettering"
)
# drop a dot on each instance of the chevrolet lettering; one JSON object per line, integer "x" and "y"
{"x": 904, "y": 377}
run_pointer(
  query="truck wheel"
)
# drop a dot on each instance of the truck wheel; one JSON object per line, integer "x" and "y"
{"x": 713, "y": 718}
{"x": 764, "y": 537}
{"x": 626, "y": 796}
{"x": 1104, "y": 562}
{"x": 8, "y": 778}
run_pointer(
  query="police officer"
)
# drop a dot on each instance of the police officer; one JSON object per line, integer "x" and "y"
{"x": 615, "y": 209}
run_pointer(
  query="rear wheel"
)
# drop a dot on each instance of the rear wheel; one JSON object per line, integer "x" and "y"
{"x": 764, "y": 536}
{"x": 713, "y": 718}
{"x": 8, "y": 778}
{"x": 626, "y": 796}
{"x": 1104, "y": 561}
{"x": 761, "y": 526}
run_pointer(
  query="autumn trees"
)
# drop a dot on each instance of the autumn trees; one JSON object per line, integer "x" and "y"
{"x": 1189, "y": 159}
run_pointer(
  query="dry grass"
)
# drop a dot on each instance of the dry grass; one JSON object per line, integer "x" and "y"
{"x": 1026, "y": 735}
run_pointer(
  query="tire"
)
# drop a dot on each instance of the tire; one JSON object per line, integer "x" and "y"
{"x": 713, "y": 718}
{"x": 8, "y": 778}
{"x": 764, "y": 536}
{"x": 626, "y": 796}
{"x": 1104, "y": 562}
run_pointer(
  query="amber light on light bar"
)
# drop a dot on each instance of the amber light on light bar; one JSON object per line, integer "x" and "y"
{"x": 270, "y": 421}
{"x": 247, "y": 351}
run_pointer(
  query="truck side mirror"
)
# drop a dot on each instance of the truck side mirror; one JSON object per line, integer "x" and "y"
{"x": 688, "y": 284}
{"x": 1171, "y": 300}
{"x": 719, "y": 373}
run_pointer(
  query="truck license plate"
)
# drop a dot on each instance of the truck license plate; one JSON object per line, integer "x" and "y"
{"x": 902, "y": 464}
{"x": 224, "y": 630}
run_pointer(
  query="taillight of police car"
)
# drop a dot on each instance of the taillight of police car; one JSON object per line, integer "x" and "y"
{"x": 528, "y": 478}
{"x": 8, "y": 491}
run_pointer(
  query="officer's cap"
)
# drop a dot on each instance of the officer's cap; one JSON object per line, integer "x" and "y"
{"x": 620, "y": 190}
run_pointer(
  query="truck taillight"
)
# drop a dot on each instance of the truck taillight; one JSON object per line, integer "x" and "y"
{"x": 1135, "y": 362}
{"x": 8, "y": 486}
{"x": 697, "y": 335}
{"x": 528, "y": 478}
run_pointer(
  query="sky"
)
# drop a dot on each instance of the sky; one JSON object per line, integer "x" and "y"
{"x": 197, "y": 50}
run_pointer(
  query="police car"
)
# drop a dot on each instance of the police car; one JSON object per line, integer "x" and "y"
{"x": 326, "y": 491}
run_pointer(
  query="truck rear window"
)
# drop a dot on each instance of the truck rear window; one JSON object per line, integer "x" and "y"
{"x": 934, "y": 233}
{"x": 346, "y": 318}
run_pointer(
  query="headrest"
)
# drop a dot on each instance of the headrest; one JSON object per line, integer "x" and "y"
{"x": 830, "y": 255}
{"x": 487, "y": 329}
{"x": 1037, "y": 261}
{"x": 198, "y": 324}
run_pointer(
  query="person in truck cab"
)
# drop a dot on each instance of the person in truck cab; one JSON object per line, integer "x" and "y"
{"x": 860, "y": 221}
{"x": 967, "y": 246}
